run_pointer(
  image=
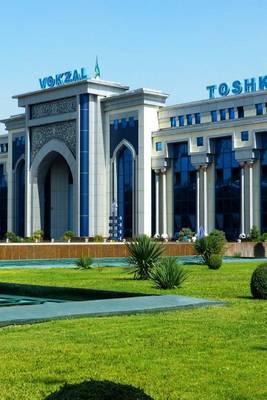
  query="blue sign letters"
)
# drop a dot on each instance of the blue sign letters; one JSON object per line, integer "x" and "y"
{"x": 63, "y": 78}
{"x": 249, "y": 85}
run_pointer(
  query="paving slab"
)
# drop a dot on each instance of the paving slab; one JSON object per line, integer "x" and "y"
{"x": 69, "y": 309}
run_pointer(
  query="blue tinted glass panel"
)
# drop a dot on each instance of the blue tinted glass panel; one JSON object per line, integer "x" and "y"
{"x": 240, "y": 112}
{"x": 116, "y": 124}
{"x": 173, "y": 121}
{"x": 227, "y": 188}
{"x": 123, "y": 122}
{"x": 125, "y": 190}
{"x": 184, "y": 191}
{"x": 244, "y": 136}
{"x": 231, "y": 112}
{"x": 197, "y": 118}
{"x": 200, "y": 141}
{"x": 158, "y": 146}
{"x": 213, "y": 116}
{"x": 259, "y": 109}
{"x": 189, "y": 119}
{"x": 222, "y": 114}
{"x": 181, "y": 120}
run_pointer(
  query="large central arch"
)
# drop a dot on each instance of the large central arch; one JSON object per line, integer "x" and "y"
{"x": 53, "y": 179}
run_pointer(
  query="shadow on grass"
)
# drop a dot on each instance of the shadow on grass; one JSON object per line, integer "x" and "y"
{"x": 98, "y": 390}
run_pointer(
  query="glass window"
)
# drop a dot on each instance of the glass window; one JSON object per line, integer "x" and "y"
{"x": 125, "y": 190}
{"x": 222, "y": 115}
{"x": 197, "y": 118}
{"x": 173, "y": 121}
{"x": 231, "y": 112}
{"x": 158, "y": 146}
{"x": 189, "y": 119}
{"x": 244, "y": 136}
{"x": 123, "y": 122}
{"x": 213, "y": 116}
{"x": 200, "y": 141}
{"x": 184, "y": 191}
{"x": 240, "y": 112}
{"x": 131, "y": 122}
{"x": 259, "y": 108}
{"x": 227, "y": 188}
{"x": 181, "y": 120}
{"x": 116, "y": 124}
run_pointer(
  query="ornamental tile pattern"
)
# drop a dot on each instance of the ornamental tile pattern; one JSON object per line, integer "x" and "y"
{"x": 53, "y": 108}
{"x": 64, "y": 131}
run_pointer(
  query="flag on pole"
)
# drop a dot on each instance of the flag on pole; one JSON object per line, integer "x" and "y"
{"x": 97, "y": 69}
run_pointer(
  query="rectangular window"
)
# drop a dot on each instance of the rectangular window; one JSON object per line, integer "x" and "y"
{"x": 200, "y": 141}
{"x": 222, "y": 115}
{"x": 259, "y": 109}
{"x": 231, "y": 112}
{"x": 116, "y": 124}
{"x": 189, "y": 119}
{"x": 240, "y": 112}
{"x": 158, "y": 146}
{"x": 131, "y": 122}
{"x": 181, "y": 120}
{"x": 197, "y": 118}
{"x": 244, "y": 136}
{"x": 173, "y": 121}
{"x": 213, "y": 116}
{"x": 123, "y": 122}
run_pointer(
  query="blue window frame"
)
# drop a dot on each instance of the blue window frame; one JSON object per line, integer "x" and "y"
{"x": 231, "y": 112}
{"x": 197, "y": 118}
{"x": 200, "y": 141}
{"x": 214, "y": 116}
{"x": 244, "y": 136}
{"x": 125, "y": 190}
{"x": 158, "y": 146}
{"x": 240, "y": 112}
{"x": 223, "y": 114}
{"x": 189, "y": 119}
{"x": 184, "y": 190}
{"x": 173, "y": 121}
{"x": 259, "y": 108}
{"x": 181, "y": 120}
{"x": 227, "y": 188}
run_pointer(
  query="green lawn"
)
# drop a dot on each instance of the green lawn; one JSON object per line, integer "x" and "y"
{"x": 206, "y": 353}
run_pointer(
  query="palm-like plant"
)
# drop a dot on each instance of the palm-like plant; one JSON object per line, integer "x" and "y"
{"x": 168, "y": 274}
{"x": 144, "y": 255}
{"x": 84, "y": 263}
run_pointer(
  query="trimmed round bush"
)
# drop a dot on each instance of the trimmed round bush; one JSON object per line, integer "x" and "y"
{"x": 168, "y": 274}
{"x": 258, "y": 283}
{"x": 215, "y": 261}
{"x": 98, "y": 390}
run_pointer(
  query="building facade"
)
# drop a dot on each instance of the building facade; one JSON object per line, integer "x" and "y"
{"x": 82, "y": 147}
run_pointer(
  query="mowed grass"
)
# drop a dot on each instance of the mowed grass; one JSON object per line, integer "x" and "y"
{"x": 194, "y": 354}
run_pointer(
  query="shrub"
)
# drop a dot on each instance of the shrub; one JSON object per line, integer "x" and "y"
{"x": 168, "y": 274}
{"x": 212, "y": 244}
{"x": 258, "y": 283}
{"x": 68, "y": 235}
{"x": 237, "y": 255}
{"x": 84, "y": 263}
{"x": 98, "y": 390}
{"x": 263, "y": 237}
{"x": 254, "y": 234}
{"x": 215, "y": 261}
{"x": 38, "y": 235}
{"x": 185, "y": 234}
{"x": 98, "y": 238}
{"x": 144, "y": 255}
{"x": 12, "y": 237}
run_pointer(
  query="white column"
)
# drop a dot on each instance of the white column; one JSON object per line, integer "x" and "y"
{"x": 242, "y": 198}
{"x": 250, "y": 164}
{"x": 205, "y": 202}
{"x": 164, "y": 205}
{"x": 198, "y": 202}
{"x": 157, "y": 203}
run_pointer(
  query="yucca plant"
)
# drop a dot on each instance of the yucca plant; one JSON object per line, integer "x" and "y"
{"x": 144, "y": 255}
{"x": 168, "y": 274}
{"x": 84, "y": 263}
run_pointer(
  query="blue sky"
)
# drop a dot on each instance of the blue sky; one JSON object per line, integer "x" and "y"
{"x": 175, "y": 46}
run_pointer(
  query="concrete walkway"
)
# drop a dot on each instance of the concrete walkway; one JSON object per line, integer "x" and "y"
{"x": 48, "y": 311}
